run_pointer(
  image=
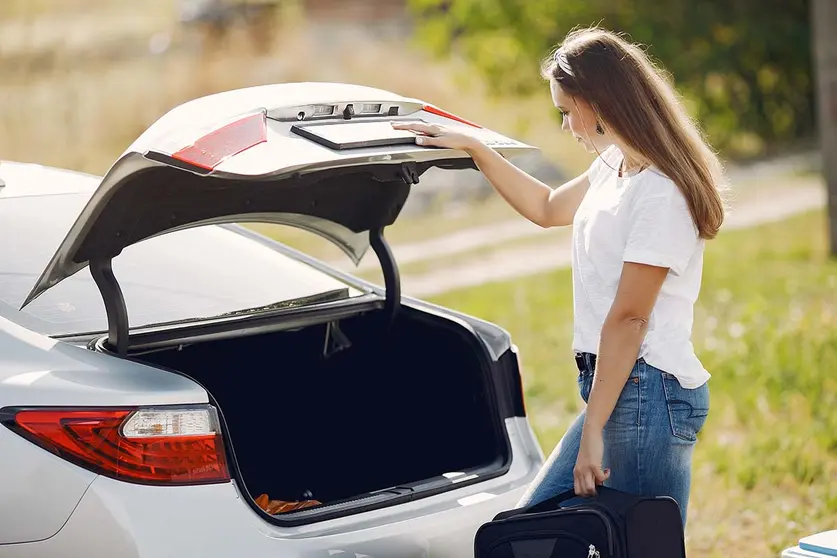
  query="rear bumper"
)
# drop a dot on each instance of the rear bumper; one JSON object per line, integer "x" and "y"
{"x": 126, "y": 520}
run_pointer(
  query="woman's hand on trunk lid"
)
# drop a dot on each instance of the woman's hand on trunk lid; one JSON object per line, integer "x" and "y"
{"x": 436, "y": 135}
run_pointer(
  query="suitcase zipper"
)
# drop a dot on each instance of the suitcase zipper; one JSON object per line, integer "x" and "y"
{"x": 606, "y": 521}
{"x": 539, "y": 534}
{"x": 597, "y": 513}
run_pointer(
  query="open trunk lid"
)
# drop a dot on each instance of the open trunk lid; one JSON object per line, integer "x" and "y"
{"x": 317, "y": 156}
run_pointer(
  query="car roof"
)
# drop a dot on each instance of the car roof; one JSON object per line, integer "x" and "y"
{"x": 19, "y": 179}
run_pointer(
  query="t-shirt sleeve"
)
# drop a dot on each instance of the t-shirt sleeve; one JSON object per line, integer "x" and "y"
{"x": 662, "y": 232}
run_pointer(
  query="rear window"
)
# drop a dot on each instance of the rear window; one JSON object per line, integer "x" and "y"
{"x": 202, "y": 272}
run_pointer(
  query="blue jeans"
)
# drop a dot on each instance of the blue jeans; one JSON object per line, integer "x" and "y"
{"x": 648, "y": 440}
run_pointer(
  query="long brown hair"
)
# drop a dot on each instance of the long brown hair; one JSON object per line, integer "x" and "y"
{"x": 637, "y": 101}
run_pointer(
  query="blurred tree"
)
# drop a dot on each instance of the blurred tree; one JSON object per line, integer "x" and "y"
{"x": 743, "y": 67}
{"x": 824, "y": 24}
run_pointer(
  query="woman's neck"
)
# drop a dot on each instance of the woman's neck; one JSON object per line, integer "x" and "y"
{"x": 631, "y": 163}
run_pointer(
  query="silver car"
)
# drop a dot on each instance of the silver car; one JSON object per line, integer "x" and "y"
{"x": 173, "y": 384}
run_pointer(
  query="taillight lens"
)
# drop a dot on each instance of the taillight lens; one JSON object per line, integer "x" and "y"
{"x": 445, "y": 114}
{"x": 216, "y": 147}
{"x": 163, "y": 446}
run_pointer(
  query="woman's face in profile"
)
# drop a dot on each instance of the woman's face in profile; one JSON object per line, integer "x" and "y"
{"x": 578, "y": 117}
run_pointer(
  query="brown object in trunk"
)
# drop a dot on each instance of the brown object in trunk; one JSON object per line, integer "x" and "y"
{"x": 274, "y": 507}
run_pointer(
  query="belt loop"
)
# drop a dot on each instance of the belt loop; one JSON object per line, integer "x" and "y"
{"x": 580, "y": 362}
{"x": 586, "y": 362}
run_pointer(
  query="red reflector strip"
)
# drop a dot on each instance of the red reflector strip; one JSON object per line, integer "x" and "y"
{"x": 92, "y": 439}
{"x": 216, "y": 147}
{"x": 439, "y": 112}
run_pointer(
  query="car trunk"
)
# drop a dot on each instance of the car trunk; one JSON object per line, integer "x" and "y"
{"x": 409, "y": 407}
{"x": 405, "y": 406}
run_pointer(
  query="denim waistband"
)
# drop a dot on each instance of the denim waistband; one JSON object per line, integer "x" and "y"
{"x": 586, "y": 362}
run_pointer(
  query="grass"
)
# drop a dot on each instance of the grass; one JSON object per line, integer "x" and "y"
{"x": 552, "y": 239}
{"x": 766, "y": 328}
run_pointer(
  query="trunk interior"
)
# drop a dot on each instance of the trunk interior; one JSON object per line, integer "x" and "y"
{"x": 395, "y": 407}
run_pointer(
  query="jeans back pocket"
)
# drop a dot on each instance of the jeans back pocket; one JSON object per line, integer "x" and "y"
{"x": 687, "y": 408}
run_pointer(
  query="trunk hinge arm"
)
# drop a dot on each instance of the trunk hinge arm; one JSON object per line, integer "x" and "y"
{"x": 392, "y": 281}
{"x": 117, "y": 312}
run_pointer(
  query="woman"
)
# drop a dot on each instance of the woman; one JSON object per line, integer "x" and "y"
{"x": 641, "y": 215}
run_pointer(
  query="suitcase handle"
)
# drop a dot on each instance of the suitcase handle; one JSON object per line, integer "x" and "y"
{"x": 603, "y": 494}
{"x": 551, "y": 503}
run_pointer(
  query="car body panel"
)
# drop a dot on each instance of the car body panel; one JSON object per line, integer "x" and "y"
{"x": 212, "y": 521}
{"x": 38, "y": 370}
{"x": 29, "y": 179}
{"x": 38, "y": 490}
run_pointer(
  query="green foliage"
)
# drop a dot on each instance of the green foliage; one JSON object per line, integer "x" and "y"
{"x": 744, "y": 68}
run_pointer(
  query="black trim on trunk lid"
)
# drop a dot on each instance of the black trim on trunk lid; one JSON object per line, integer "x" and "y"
{"x": 510, "y": 386}
{"x": 164, "y": 199}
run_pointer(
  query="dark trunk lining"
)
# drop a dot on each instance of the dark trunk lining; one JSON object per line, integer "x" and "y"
{"x": 395, "y": 408}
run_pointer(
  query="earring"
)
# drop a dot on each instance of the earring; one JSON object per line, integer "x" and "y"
{"x": 599, "y": 129}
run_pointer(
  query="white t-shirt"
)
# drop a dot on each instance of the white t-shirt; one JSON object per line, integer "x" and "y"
{"x": 644, "y": 219}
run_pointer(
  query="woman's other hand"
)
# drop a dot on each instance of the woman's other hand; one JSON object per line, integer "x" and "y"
{"x": 588, "y": 473}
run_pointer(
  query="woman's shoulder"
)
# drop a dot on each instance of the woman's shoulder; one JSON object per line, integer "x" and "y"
{"x": 654, "y": 183}
{"x": 653, "y": 189}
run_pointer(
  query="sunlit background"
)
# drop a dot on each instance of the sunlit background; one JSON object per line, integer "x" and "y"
{"x": 81, "y": 79}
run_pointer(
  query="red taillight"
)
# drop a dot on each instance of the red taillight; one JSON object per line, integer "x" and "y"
{"x": 150, "y": 446}
{"x": 439, "y": 112}
{"x": 214, "y": 148}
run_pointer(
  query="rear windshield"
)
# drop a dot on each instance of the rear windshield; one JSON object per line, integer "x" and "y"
{"x": 188, "y": 274}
